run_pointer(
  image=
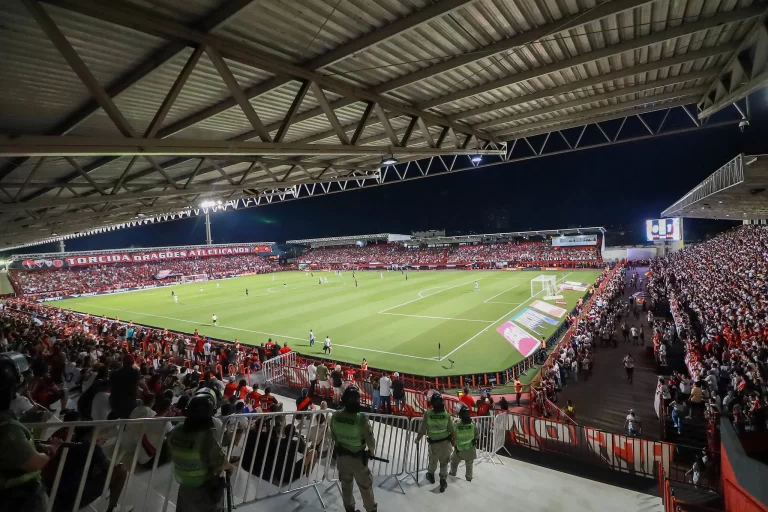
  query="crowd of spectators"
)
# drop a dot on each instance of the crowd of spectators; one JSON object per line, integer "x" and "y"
{"x": 719, "y": 298}
{"x": 67, "y": 281}
{"x": 89, "y": 368}
{"x": 595, "y": 323}
{"x": 395, "y": 254}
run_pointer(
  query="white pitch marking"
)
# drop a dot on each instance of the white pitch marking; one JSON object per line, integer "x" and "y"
{"x": 497, "y": 321}
{"x": 200, "y": 323}
{"x": 266, "y": 333}
{"x": 385, "y": 352}
{"x": 502, "y": 293}
{"x": 420, "y": 298}
{"x": 439, "y": 317}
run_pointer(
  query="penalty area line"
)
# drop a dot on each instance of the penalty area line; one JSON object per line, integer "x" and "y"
{"x": 445, "y": 289}
{"x": 440, "y": 317}
{"x": 502, "y": 317}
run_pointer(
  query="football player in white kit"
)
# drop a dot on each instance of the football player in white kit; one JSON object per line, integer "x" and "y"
{"x": 477, "y": 287}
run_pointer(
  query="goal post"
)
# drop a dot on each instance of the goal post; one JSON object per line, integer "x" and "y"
{"x": 544, "y": 284}
{"x": 194, "y": 278}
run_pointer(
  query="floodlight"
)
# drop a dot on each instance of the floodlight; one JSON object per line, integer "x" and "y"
{"x": 389, "y": 160}
{"x": 476, "y": 159}
{"x": 207, "y": 204}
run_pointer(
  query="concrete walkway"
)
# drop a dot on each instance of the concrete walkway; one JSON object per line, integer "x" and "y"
{"x": 605, "y": 399}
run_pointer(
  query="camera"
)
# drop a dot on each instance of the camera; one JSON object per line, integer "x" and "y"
{"x": 743, "y": 125}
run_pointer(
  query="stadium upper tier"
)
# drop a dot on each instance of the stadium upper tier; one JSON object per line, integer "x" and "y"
{"x": 513, "y": 253}
{"x": 98, "y": 278}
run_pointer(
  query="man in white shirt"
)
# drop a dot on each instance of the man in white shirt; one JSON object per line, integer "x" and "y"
{"x": 633, "y": 331}
{"x": 312, "y": 376}
{"x": 207, "y": 350}
{"x": 327, "y": 345}
{"x": 385, "y": 390}
{"x": 632, "y": 423}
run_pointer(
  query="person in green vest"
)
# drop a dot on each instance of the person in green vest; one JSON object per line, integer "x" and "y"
{"x": 21, "y": 458}
{"x": 466, "y": 441}
{"x": 198, "y": 458}
{"x": 354, "y": 442}
{"x": 438, "y": 427}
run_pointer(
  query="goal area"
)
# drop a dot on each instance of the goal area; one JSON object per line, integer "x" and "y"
{"x": 194, "y": 278}
{"x": 545, "y": 284}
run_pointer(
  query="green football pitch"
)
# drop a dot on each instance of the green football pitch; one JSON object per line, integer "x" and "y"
{"x": 395, "y": 324}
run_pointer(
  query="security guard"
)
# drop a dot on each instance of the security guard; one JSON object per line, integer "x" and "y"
{"x": 438, "y": 427}
{"x": 354, "y": 444}
{"x": 466, "y": 441}
{"x": 20, "y": 460}
{"x": 198, "y": 458}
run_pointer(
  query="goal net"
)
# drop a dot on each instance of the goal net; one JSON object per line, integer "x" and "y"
{"x": 545, "y": 285}
{"x": 194, "y": 278}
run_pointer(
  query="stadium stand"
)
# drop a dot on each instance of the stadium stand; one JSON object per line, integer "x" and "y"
{"x": 513, "y": 253}
{"x": 713, "y": 354}
{"x": 717, "y": 292}
{"x": 44, "y": 283}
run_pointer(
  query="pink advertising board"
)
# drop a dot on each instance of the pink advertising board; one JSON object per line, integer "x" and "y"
{"x": 518, "y": 338}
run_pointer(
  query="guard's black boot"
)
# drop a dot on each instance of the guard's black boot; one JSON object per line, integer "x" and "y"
{"x": 443, "y": 484}
{"x": 430, "y": 478}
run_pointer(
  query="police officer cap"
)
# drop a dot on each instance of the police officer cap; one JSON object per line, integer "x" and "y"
{"x": 351, "y": 395}
{"x": 463, "y": 409}
{"x": 436, "y": 398}
{"x": 202, "y": 405}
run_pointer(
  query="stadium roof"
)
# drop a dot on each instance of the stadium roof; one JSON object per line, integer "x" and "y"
{"x": 114, "y": 109}
{"x": 131, "y": 250}
{"x": 346, "y": 240}
{"x": 507, "y": 236}
{"x": 736, "y": 191}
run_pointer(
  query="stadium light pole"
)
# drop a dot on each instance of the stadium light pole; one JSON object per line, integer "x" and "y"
{"x": 206, "y": 205}
{"x": 208, "y": 239}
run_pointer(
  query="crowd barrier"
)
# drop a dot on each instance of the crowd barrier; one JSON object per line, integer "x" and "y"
{"x": 290, "y": 453}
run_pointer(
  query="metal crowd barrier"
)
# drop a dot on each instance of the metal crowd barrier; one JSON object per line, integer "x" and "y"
{"x": 274, "y": 454}
{"x": 393, "y": 436}
{"x": 272, "y": 372}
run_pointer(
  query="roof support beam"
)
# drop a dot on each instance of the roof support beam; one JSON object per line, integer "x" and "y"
{"x": 360, "y": 44}
{"x": 78, "y": 66}
{"x": 173, "y": 92}
{"x": 641, "y": 42}
{"x": 237, "y": 93}
{"x": 362, "y": 123}
{"x": 524, "y": 38}
{"x": 616, "y": 93}
{"x": 149, "y": 22}
{"x": 319, "y": 95}
{"x": 34, "y": 145}
{"x": 384, "y": 120}
{"x": 745, "y": 72}
{"x": 619, "y": 111}
{"x": 292, "y": 111}
{"x": 599, "y": 81}
{"x": 206, "y": 23}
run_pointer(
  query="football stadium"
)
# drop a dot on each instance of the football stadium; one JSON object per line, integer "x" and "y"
{"x": 529, "y": 265}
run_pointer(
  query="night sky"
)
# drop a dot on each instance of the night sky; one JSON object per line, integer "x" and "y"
{"x": 620, "y": 185}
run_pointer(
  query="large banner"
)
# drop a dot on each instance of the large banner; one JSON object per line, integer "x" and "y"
{"x": 533, "y": 320}
{"x": 518, "y": 338}
{"x": 570, "y": 241}
{"x": 82, "y": 260}
{"x": 549, "y": 309}
{"x": 616, "y": 451}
